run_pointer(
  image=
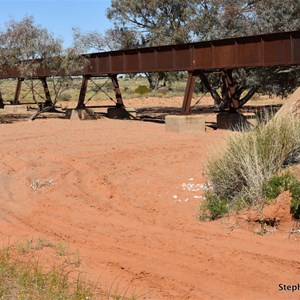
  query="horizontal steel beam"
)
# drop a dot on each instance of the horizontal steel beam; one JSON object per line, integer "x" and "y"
{"x": 276, "y": 49}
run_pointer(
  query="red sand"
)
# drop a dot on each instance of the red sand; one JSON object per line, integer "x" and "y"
{"x": 117, "y": 196}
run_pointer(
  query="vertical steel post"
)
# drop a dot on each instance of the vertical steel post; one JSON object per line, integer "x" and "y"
{"x": 1, "y": 101}
{"x": 84, "y": 85}
{"x": 117, "y": 90}
{"x": 18, "y": 90}
{"x": 231, "y": 89}
{"x": 189, "y": 90}
{"x": 46, "y": 90}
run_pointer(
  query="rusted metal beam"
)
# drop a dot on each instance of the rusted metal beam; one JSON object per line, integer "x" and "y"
{"x": 1, "y": 101}
{"x": 82, "y": 94}
{"x": 17, "y": 91}
{"x": 117, "y": 90}
{"x": 189, "y": 90}
{"x": 46, "y": 90}
{"x": 279, "y": 49}
{"x": 229, "y": 84}
{"x": 275, "y": 49}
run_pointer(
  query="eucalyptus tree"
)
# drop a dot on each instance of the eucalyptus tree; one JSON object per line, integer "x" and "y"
{"x": 27, "y": 48}
{"x": 230, "y": 18}
{"x": 153, "y": 22}
{"x": 113, "y": 39}
{"x": 157, "y": 22}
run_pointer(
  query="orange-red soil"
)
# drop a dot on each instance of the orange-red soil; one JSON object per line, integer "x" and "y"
{"x": 126, "y": 194}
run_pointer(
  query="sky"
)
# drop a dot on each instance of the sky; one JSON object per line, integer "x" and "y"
{"x": 59, "y": 16}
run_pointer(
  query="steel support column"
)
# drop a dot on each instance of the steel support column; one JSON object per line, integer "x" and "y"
{"x": 231, "y": 89}
{"x": 117, "y": 90}
{"x": 189, "y": 90}
{"x": 1, "y": 101}
{"x": 84, "y": 85}
{"x": 18, "y": 90}
{"x": 46, "y": 91}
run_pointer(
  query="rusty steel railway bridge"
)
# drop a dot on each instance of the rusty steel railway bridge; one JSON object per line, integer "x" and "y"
{"x": 224, "y": 55}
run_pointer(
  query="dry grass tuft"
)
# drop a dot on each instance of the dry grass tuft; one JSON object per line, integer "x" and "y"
{"x": 252, "y": 159}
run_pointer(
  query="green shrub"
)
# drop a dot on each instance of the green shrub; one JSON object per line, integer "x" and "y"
{"x": 252, "y": 158}
{"x": 142, "y": 89}
{"x": 246, "y": 173}
{"x": 213, "y": 207}
{"x": 94, "y": 89}
{"x": 277, "y": 184}
{"x": 65, "y": 96}
{"x": 295, "y": 203}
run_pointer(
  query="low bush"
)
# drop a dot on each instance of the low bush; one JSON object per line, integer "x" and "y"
{"x": 65, "y": 96}
{"x": 213, "y": 207}
{"x": 142, "y": 90}
{"x": 285, "y": 182}
{"x": 295, "y": 204}
{"x": 245, "y": 174}
{"x": 278, "y": 184}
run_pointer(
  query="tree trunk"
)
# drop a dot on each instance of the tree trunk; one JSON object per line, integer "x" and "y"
{"x": 154, "y": 80}
{"x": 219, "y": 102}
{"x": 150, "y": 80}
{"x": 230, "y": 98}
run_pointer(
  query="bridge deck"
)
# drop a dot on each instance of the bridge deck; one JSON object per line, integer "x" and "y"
{"x": 275, "y": 49}
{"x": 254, "y": 51}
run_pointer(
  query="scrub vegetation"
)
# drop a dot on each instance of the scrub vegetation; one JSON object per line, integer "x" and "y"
{"x": 251, "y": 171}
{"x": 25, "y": 274}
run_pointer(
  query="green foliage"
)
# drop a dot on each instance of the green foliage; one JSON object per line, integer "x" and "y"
{"x": 247, "y": 173}
{"x": 156, "y": 22}
{"x": 223, "y": 19}
{"x": 65, "y": 96}
{"x": 295, "y": 204}
{"x": 277, "y": 184}
{"x": 213, "y": 207}
{"x": 27, "y": 47}
{"x": 142, "y": 90}
{"x": 143, "y": 23}
{"x": 252, "y": 159}
{"x": 159, "y": 22}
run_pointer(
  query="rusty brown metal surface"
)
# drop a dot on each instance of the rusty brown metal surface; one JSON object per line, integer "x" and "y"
{"x": 276, "y": 49}
{"x": 117, "y": 90}
{"x": 82, "y": 94}
{"x": 17, "y": 91}
{"x": 230, "y": 86}
{"x": 190, "y": 86}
